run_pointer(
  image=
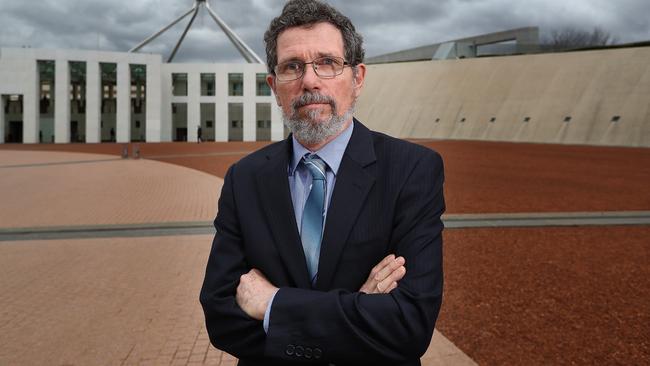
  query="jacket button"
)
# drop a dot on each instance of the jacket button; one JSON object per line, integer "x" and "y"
{"x": 317, "y": 353}
{"x": 308, "y": 352}
{"x": 299, "y": 351}
{"x": 290, "y": 350}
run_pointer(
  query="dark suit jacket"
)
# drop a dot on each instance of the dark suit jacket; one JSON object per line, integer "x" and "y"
{"x": 388, "y": 198}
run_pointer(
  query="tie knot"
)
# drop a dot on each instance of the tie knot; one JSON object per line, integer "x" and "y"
{"x": 316, "y": 166}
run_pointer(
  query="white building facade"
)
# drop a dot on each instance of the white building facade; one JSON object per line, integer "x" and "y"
{"x": 64, "y": 96}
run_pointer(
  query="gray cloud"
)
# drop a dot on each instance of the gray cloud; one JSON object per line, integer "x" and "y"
{"x": 387, "y": 25}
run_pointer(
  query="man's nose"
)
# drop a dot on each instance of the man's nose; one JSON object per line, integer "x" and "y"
{"x": 310, "y": 80}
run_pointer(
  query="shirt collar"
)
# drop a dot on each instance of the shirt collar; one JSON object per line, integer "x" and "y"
{"x": 332, "y": 153}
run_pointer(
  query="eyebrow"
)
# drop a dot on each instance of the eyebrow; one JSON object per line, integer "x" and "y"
{"x": 318, "y": 55}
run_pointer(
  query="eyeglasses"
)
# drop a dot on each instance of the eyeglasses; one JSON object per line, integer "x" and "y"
{"x": 326, "y": 67}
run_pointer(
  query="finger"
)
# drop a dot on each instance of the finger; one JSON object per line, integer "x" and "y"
{"x": 398, "y": 273}
{"x": 391, "y": 287}
{"x": 387, "y": 270}
{"x": 384, "y": 262}
{"x": 395, "y": 276}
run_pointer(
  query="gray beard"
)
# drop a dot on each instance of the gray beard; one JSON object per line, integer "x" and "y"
{"x": 307, "y": 130}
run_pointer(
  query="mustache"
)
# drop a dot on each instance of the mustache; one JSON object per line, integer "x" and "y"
{"x": 312, "y": 98}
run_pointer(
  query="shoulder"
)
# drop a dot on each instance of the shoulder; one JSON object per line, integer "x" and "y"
{"x": 399, "y": 151}
{"x": 258, "y": 159}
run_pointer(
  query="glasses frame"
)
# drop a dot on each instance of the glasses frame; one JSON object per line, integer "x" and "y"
{"x": 313, "y": 66}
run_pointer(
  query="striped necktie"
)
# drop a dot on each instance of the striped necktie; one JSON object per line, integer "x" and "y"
{"x": 313, "y": 215}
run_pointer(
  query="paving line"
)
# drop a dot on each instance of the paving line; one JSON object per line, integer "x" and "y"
{"x": 173, "y": 156}
{"x": 32, "y": 165}
{"x": 451, "y": 221}
{"x": 107, "y": 231}
{"x": 152, "y": 157}
{"x": 539, "y": 219}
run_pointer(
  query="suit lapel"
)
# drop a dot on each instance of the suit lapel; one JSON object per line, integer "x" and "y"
{"x": 353, "y": 183}
{"x": 275, "y": 196}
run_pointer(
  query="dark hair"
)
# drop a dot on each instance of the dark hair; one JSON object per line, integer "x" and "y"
{"x": 298, "y": 13}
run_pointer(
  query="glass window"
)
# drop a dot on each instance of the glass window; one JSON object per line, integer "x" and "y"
{"x": 236, "y": 84}
{"x": 207, "y": 85}
{"x": 236, "y": 118}
{"x": 263, "y": 117}
{"x": 179, "y": 85}
{"x": 263, "y": 88}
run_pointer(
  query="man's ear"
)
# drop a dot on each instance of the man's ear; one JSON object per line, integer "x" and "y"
{"x": 359, "y": 79}
{"x": 270, "y": 79}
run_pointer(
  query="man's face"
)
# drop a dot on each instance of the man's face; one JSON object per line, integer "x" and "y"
{"x": 305, "y": 44}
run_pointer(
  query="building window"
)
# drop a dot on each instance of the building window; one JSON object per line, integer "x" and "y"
{"x": 263, "y": 88}
{"x": 179, "y": 85}
{"x": 207, "y": 85}
{"x": 236, "y": 85}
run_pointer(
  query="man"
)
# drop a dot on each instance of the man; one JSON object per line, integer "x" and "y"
{"x": 314, "y": 233}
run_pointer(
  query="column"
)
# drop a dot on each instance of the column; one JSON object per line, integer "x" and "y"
{"x": 221, "y": 105}
{"x": 31, "y": 106}
{"x": 154, "y": 103}
{"x": 249, "y": 105}
{"x": 62, "y": 101}
{"x": 166, "y": 104}
{"x": 93, "y": 102}
{"x": 123, "y": 116}
{"x": 193, "y": 105}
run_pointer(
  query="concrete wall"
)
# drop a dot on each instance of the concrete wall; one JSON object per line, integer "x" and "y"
{"x": 490, "y": 98}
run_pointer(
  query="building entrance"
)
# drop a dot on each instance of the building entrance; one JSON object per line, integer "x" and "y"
{"x": 15, "y": 132}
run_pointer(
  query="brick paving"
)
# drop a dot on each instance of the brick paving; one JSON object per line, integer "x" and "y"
{"x": 101, "y": 192}
{"x": 131, "y": 301}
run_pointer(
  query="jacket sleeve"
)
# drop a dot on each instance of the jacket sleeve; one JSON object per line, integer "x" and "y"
{"x": 229, "y": 327}
{"x": 343, "y": 326}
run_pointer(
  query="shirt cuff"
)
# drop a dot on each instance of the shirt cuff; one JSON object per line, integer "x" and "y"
{"x": 267, "y": 313}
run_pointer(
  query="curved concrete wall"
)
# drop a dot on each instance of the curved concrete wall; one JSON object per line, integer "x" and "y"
{"x": 491, "y": 98}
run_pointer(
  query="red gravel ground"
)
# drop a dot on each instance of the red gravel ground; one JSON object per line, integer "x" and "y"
{"x": 529, "y": 295}
{"x": 548, "y": 296}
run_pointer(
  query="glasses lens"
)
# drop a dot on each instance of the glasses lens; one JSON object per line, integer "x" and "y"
{"x": 290, "y": 70}
{"x": 329, "y": 66}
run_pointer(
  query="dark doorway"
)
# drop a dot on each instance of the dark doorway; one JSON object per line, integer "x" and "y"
{"x": 15, "y": 132}
{"x": 74, "y": 131}
{"x": 181, "y": 134}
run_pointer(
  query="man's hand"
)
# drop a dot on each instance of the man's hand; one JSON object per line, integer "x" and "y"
{"x": 384, "y": 276}
{"x": 253, "y": 293}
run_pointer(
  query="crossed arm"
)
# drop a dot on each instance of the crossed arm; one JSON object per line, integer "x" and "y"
{"x": 255, "y": 291}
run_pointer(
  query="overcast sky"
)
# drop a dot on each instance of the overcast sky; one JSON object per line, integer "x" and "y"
{"x": 387, "y": 26}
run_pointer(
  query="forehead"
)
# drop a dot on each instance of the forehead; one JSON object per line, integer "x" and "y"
{"x": 306, "y": 42}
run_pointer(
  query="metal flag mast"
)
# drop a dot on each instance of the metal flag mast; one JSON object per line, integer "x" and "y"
{"x": 244, "y": 50}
